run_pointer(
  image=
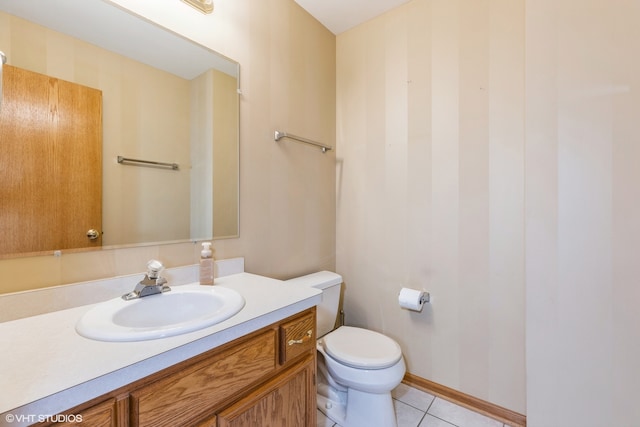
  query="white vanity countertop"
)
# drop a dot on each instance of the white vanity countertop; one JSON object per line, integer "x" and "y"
{"x": 46, "y": 367}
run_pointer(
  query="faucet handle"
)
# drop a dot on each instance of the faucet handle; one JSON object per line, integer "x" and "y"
{"x": 154, "y": 268}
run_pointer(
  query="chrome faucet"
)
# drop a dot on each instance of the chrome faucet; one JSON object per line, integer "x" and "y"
{"x": 152, "y": 283}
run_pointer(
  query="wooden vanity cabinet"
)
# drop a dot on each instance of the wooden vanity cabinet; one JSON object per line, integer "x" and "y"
{"x": 103, "y": 414}
{"x": 286, "y": 401}
{"x": 266, "y": 378}
{"x": 297, "y": 336}
{"x": 185, "y": 396}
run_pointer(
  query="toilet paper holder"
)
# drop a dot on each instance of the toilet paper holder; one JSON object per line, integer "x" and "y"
{"x": 425, "y": 298}
{"x": 412, "y": 299}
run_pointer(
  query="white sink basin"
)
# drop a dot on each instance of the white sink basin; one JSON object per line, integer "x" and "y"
{"x": 183, "y": 309}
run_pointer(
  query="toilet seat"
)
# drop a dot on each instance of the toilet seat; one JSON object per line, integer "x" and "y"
{"x": 361, "y": 348}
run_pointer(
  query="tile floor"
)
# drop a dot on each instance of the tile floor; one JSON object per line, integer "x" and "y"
{"x": 415, "y": 408}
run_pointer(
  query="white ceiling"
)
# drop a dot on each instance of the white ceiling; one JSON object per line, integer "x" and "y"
{"x": 340, "y": 15}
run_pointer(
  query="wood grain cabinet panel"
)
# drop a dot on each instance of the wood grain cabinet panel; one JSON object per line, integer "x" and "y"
{"x": 101, "y": 415}
{"x": 286, "y": 401}
{"x": 209, "y": 422}
{"x": 297, "y": 337}
{"x": 190, "y": 395}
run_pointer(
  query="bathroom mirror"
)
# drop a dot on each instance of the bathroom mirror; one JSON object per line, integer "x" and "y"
{"x": 165, "y": 99}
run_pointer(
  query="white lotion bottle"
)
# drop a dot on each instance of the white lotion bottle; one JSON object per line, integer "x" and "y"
{"x": 206, "y": 265}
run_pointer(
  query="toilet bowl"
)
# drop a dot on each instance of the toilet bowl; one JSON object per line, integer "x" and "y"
{"x": 357, "y": 368}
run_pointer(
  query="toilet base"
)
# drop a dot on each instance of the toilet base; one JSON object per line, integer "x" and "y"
{"x": 364, "y": 409}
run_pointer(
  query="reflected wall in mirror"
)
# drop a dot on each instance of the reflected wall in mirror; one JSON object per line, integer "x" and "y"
{"x": 164, "y": 98}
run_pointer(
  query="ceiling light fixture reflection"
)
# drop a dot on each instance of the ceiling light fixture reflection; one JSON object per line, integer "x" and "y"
{"x": 204, "y": 6}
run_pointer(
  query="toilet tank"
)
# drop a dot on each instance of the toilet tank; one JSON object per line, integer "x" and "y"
{"x": 327, "y": 311}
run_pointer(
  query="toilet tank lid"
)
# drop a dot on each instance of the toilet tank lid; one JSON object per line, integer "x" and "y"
{"x": 319, "y": 280}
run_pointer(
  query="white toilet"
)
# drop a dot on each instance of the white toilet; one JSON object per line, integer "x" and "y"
{"x": 357, "y": 368}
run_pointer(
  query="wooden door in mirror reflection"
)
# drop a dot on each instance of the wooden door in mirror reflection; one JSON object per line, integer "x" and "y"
{"x": 50, "y": 164}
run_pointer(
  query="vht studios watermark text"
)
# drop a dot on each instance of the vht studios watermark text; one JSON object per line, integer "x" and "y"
{"x": 33, "y": 418}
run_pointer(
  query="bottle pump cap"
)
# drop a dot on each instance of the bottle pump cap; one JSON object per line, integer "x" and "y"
{"x": 206, "y": 250}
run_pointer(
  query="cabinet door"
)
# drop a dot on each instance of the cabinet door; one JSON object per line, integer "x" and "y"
{"x": 101, "y": 415}
{"x": 190, "y": 395}
{"x": 286, "y": 401}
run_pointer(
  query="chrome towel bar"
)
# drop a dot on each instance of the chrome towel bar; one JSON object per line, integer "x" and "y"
{"x": 279, "y": 135}
{"x": 138, "y": 162}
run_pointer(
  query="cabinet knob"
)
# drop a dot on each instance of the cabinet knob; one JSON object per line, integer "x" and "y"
{"x": 93, "y": 234}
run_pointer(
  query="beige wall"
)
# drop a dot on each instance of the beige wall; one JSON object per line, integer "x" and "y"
{"x": 442, "y": 186}
{"x": 225, "y": 156}
{"x": 202, "y": 97}
{"x": 583, "y": 213}
{"x": 430, "y": 188}
{"x": 287, "y": 190}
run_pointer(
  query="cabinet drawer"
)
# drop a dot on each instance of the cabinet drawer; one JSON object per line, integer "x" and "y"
{"x": 192, "y": 394}
{"x": 297, "y": 337}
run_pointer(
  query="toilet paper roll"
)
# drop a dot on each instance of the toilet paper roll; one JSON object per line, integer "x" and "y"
{"x": 411, "y": 299}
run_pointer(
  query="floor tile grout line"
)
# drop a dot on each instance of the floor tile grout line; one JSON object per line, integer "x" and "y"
{"x": 325, "y": 415}
{"x": 442, "y": 419}
{"x": 424, "y": 414}
{"x": 460, "y": 406}
{"x": 409, "y": 405}
{"x": 431, "y": 404}
{"x": 415, "y": 407}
